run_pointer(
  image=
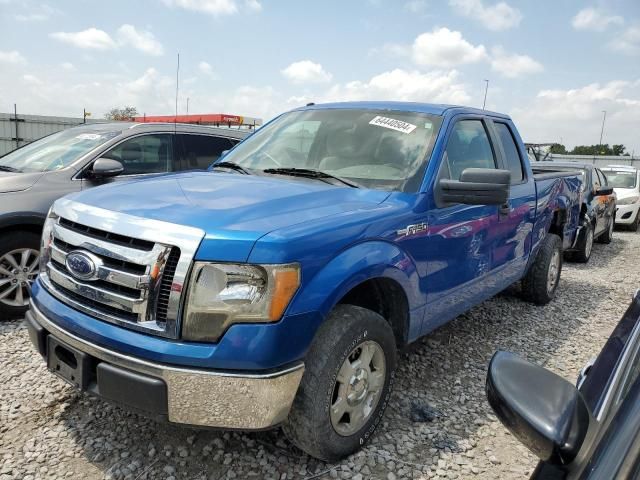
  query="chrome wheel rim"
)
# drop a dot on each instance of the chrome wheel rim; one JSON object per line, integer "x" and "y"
{"x": 358, "y": 388}
{"x": 554, "y": 269}
{"x": 589, "y": 243}
{"x": 18, "y": 269}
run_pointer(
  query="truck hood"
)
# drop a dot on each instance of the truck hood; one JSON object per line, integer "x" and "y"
{"x": 17, "y": 182}
{"x": 233, "y": 210}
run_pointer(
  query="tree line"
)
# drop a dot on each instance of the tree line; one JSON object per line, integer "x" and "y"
{"x": 604, "y": 149}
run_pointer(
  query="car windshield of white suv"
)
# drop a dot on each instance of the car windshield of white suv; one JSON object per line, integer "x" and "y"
{"x": 381, "y": 149}
{"x": 55, "y": 151}
{"x": 621, "y": 179}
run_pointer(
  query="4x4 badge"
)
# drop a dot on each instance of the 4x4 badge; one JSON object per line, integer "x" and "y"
{"x": 410, "y": 230}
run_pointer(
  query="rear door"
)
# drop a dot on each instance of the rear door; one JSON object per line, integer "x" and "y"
{"x": 515, "y": 221}
{"x": 198, "y": 152}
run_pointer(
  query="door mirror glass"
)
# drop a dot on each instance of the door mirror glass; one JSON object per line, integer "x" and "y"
{"x": 604, "y": 191}
{"x": 106, "y": 167}
{"x": 544, "y": 411}
{"x": 477, "y": 186}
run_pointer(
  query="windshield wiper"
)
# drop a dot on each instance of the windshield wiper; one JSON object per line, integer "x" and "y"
{"x": 232, "y": 166}
{"x": 7, "y": 168}
{"x": 308, "y": 173}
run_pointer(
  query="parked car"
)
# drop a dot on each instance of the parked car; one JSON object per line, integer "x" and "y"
{"x": 587, "y": 432}
{"x": 598, "y": 211}
{"x": 279, "y": 291}
{"x": 34, "y": 176}
{"x": 625, "y": 181}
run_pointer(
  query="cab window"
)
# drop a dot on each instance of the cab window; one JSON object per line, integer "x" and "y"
{"x": 468, "y": 147}
{"x": 144, "y": 154}
{"x": 512, "y": 160}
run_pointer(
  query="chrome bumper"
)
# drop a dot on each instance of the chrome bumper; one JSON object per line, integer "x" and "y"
{"x": 201, "y": 397}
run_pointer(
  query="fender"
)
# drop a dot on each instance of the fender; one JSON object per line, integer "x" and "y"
{"x": 351, "y": 267}
{"x": 18, "y": 219}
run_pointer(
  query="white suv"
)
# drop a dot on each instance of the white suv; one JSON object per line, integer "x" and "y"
{"x": 625, "y": 180}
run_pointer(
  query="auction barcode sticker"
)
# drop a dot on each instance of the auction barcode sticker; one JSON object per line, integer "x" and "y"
{"x": 393, "y": 124}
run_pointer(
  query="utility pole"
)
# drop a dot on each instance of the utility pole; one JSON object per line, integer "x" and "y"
{"x": 486, "y": 88}
{"x": 177, "y": 82}
{"x": 604, "y": 117}
{"x": 187, "y": 105}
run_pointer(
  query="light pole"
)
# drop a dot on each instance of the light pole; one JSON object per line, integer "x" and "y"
{"x": 187, "y": 105}
{"x": 486, "y": 88}
{"x": 604, "y": 117}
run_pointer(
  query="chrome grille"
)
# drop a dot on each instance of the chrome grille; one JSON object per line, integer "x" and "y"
{"x": 136, "y": 282}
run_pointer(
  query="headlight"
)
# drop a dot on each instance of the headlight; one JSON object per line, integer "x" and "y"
{"x": 628, "y": 200}
{"x": 221, "y": 294}
{"x": 47, "y": 238}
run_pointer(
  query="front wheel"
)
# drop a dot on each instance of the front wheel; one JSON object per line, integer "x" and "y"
{"x": 344, "y": 391}
{"x": 607, "y": 236}
{"x": 541, "y": 281}
{"x": 19, "y": 266}
{"x": 583, "y": 252}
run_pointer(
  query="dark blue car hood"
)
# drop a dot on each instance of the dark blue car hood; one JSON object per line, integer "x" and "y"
{"x": 232, "y": 209}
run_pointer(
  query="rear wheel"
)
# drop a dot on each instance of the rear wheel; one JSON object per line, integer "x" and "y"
{"x": 19, "y": 267}
{"x": 541, "y": 281}
{"x": 346, "y": 385}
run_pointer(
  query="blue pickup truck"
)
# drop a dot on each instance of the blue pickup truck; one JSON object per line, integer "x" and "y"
{"x": 277, "y": 288}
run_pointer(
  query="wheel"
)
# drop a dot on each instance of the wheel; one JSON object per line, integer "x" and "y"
{"x": 349, "y": 373}
{"x": 583, "y": 253}
{"x": 636, "y": 222}
{"x": 19, "y": 266}
{"x": 607, "y": 236}
{"x": 541, "y": 281}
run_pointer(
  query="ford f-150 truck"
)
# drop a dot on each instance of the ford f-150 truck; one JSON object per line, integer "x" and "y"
{"x": 277, "y": 289}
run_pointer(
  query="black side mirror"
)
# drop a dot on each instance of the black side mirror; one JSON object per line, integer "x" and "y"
{"x": 105, "y": 168}
{"x": 477, "y": 186}
{"x": 604, "y": 191}
{"x": 544, "y": 411}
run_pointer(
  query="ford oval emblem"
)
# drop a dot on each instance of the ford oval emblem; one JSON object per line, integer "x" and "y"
{"x": 81, "y": 265}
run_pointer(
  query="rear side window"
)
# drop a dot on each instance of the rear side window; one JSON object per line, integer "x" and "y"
{"x": 468, "y": 147}
{"x": 513, "y": 161}
{"x": 144, "y": 154}
{"x": 200, "y": 151}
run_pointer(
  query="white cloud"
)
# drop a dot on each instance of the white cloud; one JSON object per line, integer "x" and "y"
{"x": 416, "y": 6}
{"x": 628, "y": 41}
{"x": 68, "y": 66}
{"x": 306, "y": 71}
{"x": 216, "y": 7}
{"x": 399, "y": 84}
{"x": 32, "y": 79}
{"x": 576, "y": 114}
{"x": 35, "y": 13}
{"x": 206, "y": 68}
{"x": 142, "y": 40}
{"x": 12, "y": 57}
{"x": 445, "y": 48}
{"x": 594, "y": 19}
{"x": 499, "y": 16}
{"x": 91, "y": 38}
{"x": 512, "y": 65}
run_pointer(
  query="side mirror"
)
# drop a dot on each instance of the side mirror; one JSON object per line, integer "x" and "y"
{"x": 602, "y": 191}
{"x": 544, "y": 411}
{"x": 105, "y": 168}
{"x": 477, "y": 186}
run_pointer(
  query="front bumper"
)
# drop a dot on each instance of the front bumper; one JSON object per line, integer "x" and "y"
{"x": 626, "y": 214}
{"x": 181, "y": 395}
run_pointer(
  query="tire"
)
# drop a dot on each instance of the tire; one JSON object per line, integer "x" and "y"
{"x": 607, "y": 236}
{"x": 310, "y": 425}
{"x": 583, "y": 253}
{"x": 536, "y": 285}
{"x": 14, "y": 295}
{"x": 636, "y": 222}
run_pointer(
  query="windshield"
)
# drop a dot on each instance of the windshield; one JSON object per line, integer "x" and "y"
{"x": 621, "y": 179}
{"x": 55, "y": 151}
{"x": 385, "y": 150}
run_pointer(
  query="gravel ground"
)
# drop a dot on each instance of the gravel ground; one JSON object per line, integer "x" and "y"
{"x": 438, "y": 424}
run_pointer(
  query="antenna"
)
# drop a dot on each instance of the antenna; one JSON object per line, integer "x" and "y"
{"x": 486, "y": 88}
{"x": 177, "y": 87}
